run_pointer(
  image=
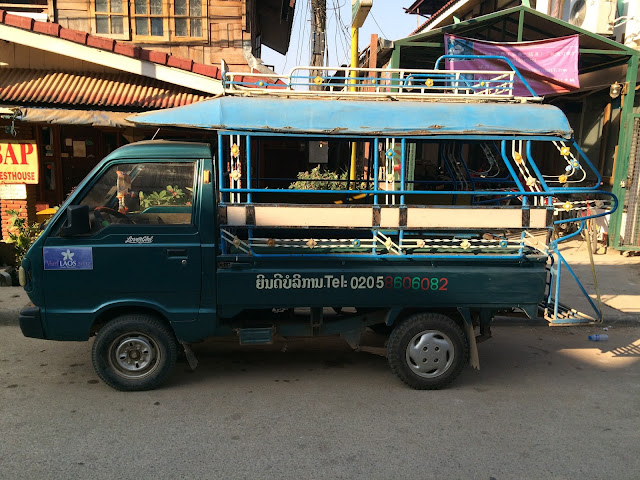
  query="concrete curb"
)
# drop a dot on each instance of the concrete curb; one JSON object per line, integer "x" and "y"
{"x": 5, "y": 279}
{"x": 539, "y": 322}
{"x": 8, "y": 318}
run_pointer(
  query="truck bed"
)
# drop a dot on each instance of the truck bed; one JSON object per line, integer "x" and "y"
{"x": 407, "y": 282}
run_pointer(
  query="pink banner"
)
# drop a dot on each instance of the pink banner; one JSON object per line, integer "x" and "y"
{"x": 549, "y": 66}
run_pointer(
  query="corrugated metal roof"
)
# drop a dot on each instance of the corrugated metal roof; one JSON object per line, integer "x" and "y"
{"x": 108, "y": 44}
{"x": 433, "y": 17}
{"x": 27, "y": 86}
{"x": 425, "y": 7}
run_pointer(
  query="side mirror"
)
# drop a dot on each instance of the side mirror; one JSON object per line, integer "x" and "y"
{"x": 77, "y": 222}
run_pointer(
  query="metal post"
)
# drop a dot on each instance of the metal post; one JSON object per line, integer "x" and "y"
{"x": 352, "y": 74}
{"x": 624, "y": 146}
{"x": 376, "y": 157}
{"x": 248, "y": 166}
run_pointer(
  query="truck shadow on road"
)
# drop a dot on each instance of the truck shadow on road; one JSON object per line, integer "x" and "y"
{"x": 516, "y": 355}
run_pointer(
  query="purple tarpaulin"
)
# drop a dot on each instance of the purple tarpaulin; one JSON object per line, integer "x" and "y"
{"x": 549, "y": 66}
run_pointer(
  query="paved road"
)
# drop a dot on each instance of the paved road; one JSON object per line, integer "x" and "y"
{"x": 546, "y": 404}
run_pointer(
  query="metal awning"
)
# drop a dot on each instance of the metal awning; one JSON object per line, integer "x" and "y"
{"x": 517, "y": 24}
{"x": 345, "y": 117}
{"x": 61, "y": 116}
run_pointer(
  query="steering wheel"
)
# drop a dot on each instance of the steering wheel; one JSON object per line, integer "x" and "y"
{"x": 98, "y": 211}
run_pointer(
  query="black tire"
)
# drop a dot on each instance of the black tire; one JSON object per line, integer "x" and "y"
{"x": 442, "y": 346}
{"x": 134, "y": 352}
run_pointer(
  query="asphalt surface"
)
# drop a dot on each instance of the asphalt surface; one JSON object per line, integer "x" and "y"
{"x": 547, "y": 403}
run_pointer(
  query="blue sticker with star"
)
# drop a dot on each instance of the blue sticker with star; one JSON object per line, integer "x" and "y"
{"x": 68, "y": 258}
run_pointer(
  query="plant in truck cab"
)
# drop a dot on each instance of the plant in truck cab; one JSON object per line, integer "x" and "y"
{"x": 172, "y": 195}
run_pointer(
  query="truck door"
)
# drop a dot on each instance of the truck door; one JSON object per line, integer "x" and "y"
{"x": 143, "y": 249}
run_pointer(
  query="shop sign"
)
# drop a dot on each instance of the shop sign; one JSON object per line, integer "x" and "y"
{"x": 18, "y": 161}
{"x": 13, "y": 192}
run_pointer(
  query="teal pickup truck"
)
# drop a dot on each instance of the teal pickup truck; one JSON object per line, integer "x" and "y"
{"x": 445, "y": 225}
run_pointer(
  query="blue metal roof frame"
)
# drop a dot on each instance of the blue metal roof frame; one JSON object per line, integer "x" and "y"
{"x": 353, "y": 117}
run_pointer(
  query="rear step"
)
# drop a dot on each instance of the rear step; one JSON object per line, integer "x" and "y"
{"x": 255, "y": 336}
{"x": 555, "y": 312}
{"x": 565, "y": 315}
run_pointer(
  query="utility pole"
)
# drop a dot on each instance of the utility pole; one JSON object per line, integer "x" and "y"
{"x": 318, "y": 37}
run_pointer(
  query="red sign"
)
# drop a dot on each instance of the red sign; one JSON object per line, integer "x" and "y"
{"x": 18, "y": 162}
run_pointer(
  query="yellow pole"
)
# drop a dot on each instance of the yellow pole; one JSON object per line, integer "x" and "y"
{"x": 354, "y": 65}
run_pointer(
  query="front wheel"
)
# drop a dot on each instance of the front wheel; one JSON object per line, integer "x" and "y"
{"x": 427, "y": 351}
{"x": 134, "y": 352}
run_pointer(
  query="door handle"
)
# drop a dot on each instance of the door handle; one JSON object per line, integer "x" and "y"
{"x": 176, "y": 252}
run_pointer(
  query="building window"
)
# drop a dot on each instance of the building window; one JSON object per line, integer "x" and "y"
{"x": 189, "y": 17}
{"x": 150, "y": 20}
{"x": 111, "y": 18}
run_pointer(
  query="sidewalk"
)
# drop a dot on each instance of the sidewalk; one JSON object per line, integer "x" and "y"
{"x": 618, "y": 279}
{"x": 12, "y": 299}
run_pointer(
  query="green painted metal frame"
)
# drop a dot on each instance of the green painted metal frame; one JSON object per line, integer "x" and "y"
{"x": 624, "y": 149}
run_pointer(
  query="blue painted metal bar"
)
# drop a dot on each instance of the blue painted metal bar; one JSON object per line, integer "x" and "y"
{"x": 220, "y": 165}
{"x": 403, "y": 167}
{"x": 487, "y": 57}
{"x": 466, "y": 167}
{"x": 424, "y": 138}
{"x": 593, "y": 169}
{"x": 563, "y": 261}
{"x": 589, "y": 217}
{"x": 223, "y": 243}
{"x": 366, "y": 256}
{"x": 420, "y": 192}
{"x": 556, "y": 299}
{"x": 507, "y": 162}
{"x": 248, "y": 143}
{"x": 445, "y": 162}
{"x": 374, "y": 233}
{"x": 521, "y": 249}
{"x": 376, "y": 153}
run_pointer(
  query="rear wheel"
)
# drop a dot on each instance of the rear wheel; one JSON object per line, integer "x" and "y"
{"x": 134, "y": 352}
{"x": 427, "y": 351}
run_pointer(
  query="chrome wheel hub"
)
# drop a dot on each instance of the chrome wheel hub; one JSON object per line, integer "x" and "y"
{"x": 430, "y": 353}
{"x": 134, "y": 355}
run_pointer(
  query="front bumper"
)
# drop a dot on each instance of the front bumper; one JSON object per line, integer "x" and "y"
{"x": 30, "y": 322}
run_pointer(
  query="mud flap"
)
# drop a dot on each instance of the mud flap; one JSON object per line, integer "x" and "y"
{"x": 474, "y": 357}
{"x": 189, "y": 355}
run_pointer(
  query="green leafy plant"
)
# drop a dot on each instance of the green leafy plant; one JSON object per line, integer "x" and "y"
{"x": 21, "y": 234}
{"x": 169, "y": 196}
{"x": 316, "y": 179}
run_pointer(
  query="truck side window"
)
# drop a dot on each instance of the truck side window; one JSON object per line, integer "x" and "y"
{"x": 142, "y": 194}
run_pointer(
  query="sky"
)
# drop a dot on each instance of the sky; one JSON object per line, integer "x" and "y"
{"x": 387, "y": 18}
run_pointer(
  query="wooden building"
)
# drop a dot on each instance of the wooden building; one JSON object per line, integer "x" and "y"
{"x": 71, "y": 72}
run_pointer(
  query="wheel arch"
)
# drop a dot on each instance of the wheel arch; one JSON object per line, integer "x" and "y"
{"x": 114, "y": 311}
{"x": 396, "y": 315}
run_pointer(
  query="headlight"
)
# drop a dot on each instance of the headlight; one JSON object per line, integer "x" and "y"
{"x": 22, "y": 276}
